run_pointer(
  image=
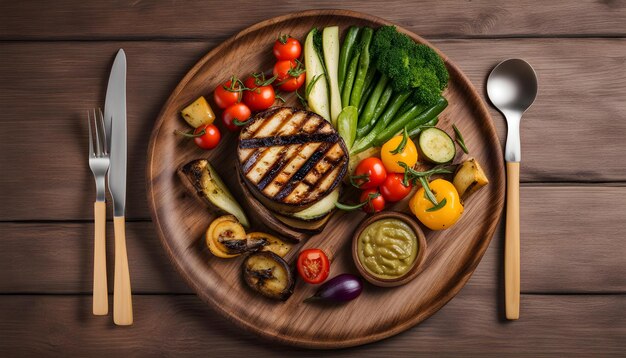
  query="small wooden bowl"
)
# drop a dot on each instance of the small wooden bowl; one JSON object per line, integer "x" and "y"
{"x": 419, "y": 259}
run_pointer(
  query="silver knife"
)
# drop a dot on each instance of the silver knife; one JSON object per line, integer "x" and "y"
{"x": 115, "y": 116}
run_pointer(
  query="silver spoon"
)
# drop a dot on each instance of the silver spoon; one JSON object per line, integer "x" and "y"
{"x": 512, "y": 88}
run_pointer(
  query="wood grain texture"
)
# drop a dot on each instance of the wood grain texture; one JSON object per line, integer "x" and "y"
{"x": 554, "y": 229}
{"x": 452, "y": 254}
{"x": 197, "y": 19}
{"x": 69, "y": 78}
{"x": 469, "y": 325}
{"x": 571, "y": 238}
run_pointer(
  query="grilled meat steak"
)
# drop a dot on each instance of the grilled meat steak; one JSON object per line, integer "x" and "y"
{"x": 291, "y": 158}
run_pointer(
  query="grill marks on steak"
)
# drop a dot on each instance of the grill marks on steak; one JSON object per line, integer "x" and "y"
{"x": 292, "y": 156}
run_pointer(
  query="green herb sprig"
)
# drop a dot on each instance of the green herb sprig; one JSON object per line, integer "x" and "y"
{"x": 459, "y": 139}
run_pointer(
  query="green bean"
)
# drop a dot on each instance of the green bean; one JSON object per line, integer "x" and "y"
{"x": 364, "y": 64}
{"x": 366, "y": 95}
{"x": 372, "y": 102}
{"x": 380, "y": 108}
{"x": 347, "y": 50}
{"x": 416, "y": 116}
{"x": 367, "y": 141}
{"x": 349, "y": 80}
{"x": 416, "y": 130}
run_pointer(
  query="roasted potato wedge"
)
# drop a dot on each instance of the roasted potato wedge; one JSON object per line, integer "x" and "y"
{"x": 269, "y": 275}
{"x": 469, "y": 178}
{"x": 270, "y": 243}
{"x": 198, "y": 113}
{"x": 200, "y": 176}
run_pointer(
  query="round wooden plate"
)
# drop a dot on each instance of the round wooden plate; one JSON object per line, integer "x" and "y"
{"x": 181, "y": 219}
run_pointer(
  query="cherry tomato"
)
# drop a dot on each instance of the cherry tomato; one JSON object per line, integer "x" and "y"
{"x": 444, "y": 217}
{"x": 313, "y": 266}
{"x": 258, "y": 98}
{"x": 408, "y": 155}
{"x": 223, "y": 97}
{"x": 210, "y": 139}
{"x": 238, "y": 111}
{"x": 289, "y": 75}
{"x": 369, "y": 173}
{"x": 375, "y": 204}
{"x": 287, "y": 48}
{"x": 393, "y": 189}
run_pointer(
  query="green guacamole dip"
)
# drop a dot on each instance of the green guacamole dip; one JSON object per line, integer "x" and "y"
{"x": 387, "y": 248}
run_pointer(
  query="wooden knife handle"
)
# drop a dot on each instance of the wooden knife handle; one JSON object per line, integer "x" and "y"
{"x": 122, "y": 298}
{"x": 512, "y": 243}
{"x": 100, "y": 292}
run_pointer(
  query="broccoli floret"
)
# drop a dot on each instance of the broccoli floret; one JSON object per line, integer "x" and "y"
{"x": 410, "y": 66}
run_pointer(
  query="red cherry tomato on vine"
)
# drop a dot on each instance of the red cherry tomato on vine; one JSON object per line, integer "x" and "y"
{"x": 369, "y": 173}
{"x": 392, "y": 189}
{"x": 313, "y": 266}
{"x": 223, "y": 97}
{"x": 210, "y": 139}
{"x": 287, "y": 48}
{"x": 237, "y": 111}
{"x": 259, "y": 97}
{"x": 289, "y": 75}
{"x": 375, "y": 201}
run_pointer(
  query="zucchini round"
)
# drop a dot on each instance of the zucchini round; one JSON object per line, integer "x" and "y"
{"x": 436, "y": 146}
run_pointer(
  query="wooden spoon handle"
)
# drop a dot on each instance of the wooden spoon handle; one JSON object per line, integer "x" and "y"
{"x": 122, "y": 298}
{"x": 100, "y": 292}
{"x": 512, "y": 243}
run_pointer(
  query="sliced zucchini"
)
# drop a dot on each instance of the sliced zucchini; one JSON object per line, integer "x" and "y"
{"x": 316, "y": 84}
{"x": 330, "y": 43}
{"x": 271, "y": 243}
{"x": 198, "y": 113}
{"x": 205, "y": 181}
{"x": 310, "y": 226}
{"x": 436, "y": 146}
{"x": 269, "y": 275}
{"x": 319, "y": 209}
{"x": 469, "y": 178}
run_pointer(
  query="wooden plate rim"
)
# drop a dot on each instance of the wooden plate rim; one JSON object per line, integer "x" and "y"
{"x": 455, "y": 286}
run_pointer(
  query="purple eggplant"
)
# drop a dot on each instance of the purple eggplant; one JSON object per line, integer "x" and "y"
{"x": 341, "y": 288}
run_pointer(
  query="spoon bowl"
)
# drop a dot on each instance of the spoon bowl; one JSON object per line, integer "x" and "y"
{"x": 512, "y": 86}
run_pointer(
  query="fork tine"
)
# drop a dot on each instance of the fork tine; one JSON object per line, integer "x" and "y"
{"x": 91, "y": 154}
{"x": 95, "y": 122}
{"x": 105, "y": 148}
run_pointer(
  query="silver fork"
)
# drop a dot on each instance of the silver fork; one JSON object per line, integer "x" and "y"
{"x": 99, "y": 163}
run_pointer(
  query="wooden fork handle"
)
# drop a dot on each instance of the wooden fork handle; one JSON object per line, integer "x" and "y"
{"x": 122, "y": 298}
{"x": 512, "y": 243}
{"x": 100, "y": 292}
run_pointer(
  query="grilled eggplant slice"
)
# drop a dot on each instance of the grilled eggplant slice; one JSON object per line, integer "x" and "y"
{"x": 269, "y": 275}
{"x": 469, "y": 178}
{"x": 270, "y": 243}
{"x": 291, "y": 158}
{"x": 203, "y": 179}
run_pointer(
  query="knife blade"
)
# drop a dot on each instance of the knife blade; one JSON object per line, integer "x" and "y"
{"x": 115, "y": 109}
{"x": 115, "y": 114}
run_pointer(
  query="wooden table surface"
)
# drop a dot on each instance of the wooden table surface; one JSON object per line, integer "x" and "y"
{"x": 54, "y": 63}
